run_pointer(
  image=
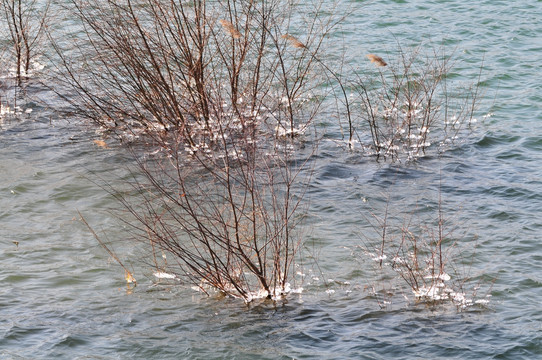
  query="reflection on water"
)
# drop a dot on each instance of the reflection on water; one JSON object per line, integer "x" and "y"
{"x": 61, "y": 296}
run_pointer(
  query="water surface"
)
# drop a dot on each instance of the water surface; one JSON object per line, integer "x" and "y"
{"x": 63, "y": 297}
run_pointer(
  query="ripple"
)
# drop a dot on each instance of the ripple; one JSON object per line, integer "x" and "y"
{"x": 533, "y": 143}
{"x": 492, "y": 140}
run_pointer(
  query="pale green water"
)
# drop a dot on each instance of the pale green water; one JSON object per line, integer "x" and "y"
{"x": 61, "y": 297}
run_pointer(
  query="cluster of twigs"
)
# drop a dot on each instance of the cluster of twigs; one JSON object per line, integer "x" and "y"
{"x": 228, "y": 223}
{"x": 411, "y": 105}
{"x": 424, "y": 252}
{"x": 24, "y": 21}
{"x": 22, "y": 29}
{"x": 192, "y": 68}
{"x": 220, "y": 91}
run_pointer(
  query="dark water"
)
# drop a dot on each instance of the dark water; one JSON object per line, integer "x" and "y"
{"x": 62, "y": 297}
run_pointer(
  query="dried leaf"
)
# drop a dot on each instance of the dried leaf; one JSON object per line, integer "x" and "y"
{"x": 101, "y": 144}
{"x": 293, "y": 41}
{"x": 377, "y": 60}
{"x": 230, "y": 29}
{"x": 129, "y": 278}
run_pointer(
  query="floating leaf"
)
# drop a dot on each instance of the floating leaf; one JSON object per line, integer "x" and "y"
{"x": 129, "y": 278}
{"x": 101, "y": 144}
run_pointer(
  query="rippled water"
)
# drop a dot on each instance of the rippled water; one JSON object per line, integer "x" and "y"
{"x": 61, "y": 296}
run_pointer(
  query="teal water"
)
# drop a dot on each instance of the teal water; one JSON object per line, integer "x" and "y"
{"x": 61, "y": 296}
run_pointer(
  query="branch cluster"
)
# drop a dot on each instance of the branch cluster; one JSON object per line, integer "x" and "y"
{"x": 221, "y": 90}
{"x": 411, "y": 106}
{"x": 424, "y": 253}
{"x": 218, "y": 93}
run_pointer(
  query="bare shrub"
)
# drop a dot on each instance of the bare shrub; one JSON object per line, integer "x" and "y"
{"x": 223, "y": 223}
{"x": 24, "y": 21}
{"x": 153, "y": 67}
{"x": 220, "y": 94}
{"x": 426, "y": 251}
{"x": 411, "y": 105}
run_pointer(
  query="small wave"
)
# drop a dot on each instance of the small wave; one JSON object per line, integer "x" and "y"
{"x": 335, "y": 171}
{"x": 512, "y": 154}
{"x": 71, "y": 341}
{"x": 490, "y": 140}
{"x": 513, "y": 192}
{"x": 533, "y": 143}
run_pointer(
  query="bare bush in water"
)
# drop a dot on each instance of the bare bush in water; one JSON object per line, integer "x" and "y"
{"x": 225, "y": 222}
{"x": 221, "y": 91}
{"x": 24, "y": 23}
{"x": 411, "y": 105}
{"x": 426, "y": 254}
{"x": 157, "y": 67}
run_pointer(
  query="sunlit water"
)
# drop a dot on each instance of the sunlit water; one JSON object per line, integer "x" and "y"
{"x": 61, "y": 296}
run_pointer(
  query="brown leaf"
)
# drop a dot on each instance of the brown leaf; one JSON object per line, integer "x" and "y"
{"x": 230, "y": 29}
{"x": 101, "y": 144}
{"x": 295, "y": 43}
{"x": 377, "y": 60}
{"x": 129, "y": 277}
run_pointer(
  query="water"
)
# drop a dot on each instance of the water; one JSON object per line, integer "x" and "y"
{"x": 63, "y": 297}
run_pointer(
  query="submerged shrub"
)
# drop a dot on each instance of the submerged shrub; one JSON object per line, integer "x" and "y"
{"x": 411, "y": 105}
{"x": 223, "y": 223}
{"x": 216, "y": 95}
{"x": 150, "y": 67}
{"x": 22, "y": 28}
{"x": 425, "y": 254}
